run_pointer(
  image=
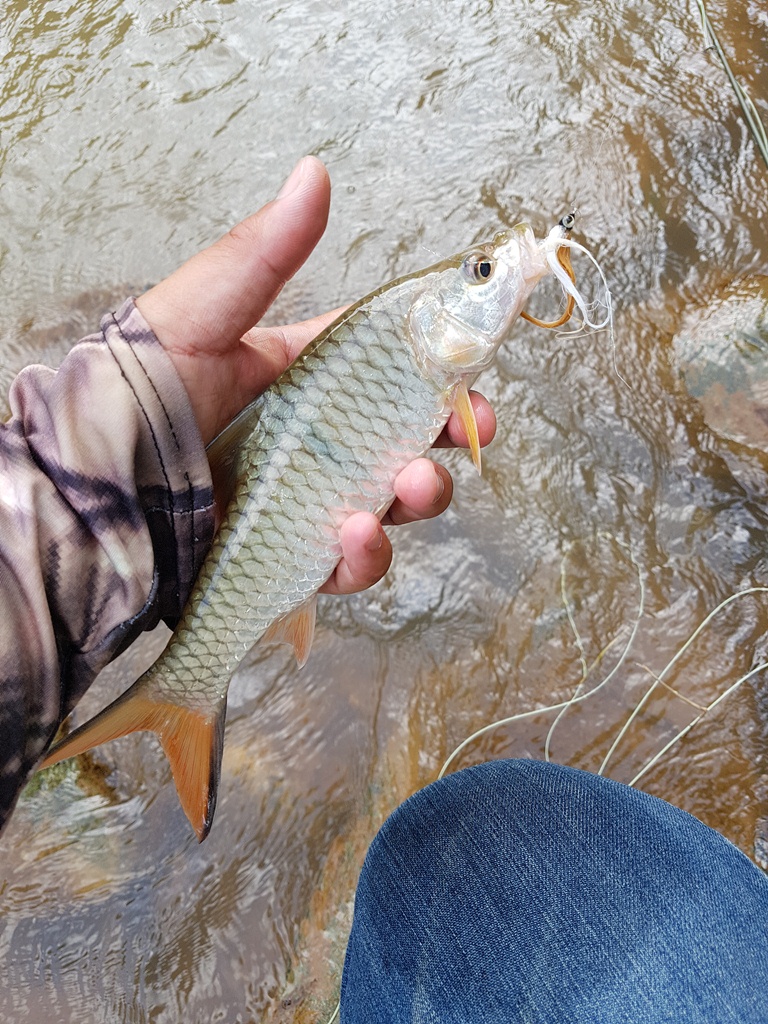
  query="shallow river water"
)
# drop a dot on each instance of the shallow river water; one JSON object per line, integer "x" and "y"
{"x": 624, "y": 496}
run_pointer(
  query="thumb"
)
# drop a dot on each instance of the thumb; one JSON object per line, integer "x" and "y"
{"x": 219, "y": 294}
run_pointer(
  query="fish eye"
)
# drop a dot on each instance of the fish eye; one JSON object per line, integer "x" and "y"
{"x": 478, "y": 267}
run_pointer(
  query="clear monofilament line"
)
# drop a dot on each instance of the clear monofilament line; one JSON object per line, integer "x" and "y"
{"x": 563, "y": 705}
{"x": 335, "y": 1015}
{"x": 668, "y": 667}
{"x": 683, "y": 732}
{"x": 579, "y": 644}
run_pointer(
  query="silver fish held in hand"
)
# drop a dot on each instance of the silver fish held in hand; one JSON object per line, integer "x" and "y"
{"x": 371, "y": 393}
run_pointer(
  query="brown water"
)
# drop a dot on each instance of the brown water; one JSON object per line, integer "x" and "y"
{"x": 131, "y": 134}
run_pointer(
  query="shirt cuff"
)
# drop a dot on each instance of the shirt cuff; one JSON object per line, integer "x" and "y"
{"x": 173, "y": 477}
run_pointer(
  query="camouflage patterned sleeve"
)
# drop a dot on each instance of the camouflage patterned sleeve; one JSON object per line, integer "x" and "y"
{"x": 106, "y": 511}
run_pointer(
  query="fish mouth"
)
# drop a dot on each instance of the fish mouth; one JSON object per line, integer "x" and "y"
{"x": 518, "y": 248}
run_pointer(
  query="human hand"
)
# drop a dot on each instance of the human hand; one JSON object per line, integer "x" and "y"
{"x": 205, "y": 316}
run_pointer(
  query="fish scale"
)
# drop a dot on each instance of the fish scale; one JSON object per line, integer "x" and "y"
{"x": 279, "y": 541}
{"x": 328, "y": 439}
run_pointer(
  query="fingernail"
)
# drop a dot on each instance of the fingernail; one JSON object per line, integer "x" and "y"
{"x": 293, "y": 180}
{"x": 440, "y": 488}
{"x": 376, "y": 541}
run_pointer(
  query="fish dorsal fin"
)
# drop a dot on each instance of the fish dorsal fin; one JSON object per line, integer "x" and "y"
{"x": 225, "y": 450}
{"x": 192, "y": 739}
{"x": 297, "y": 628}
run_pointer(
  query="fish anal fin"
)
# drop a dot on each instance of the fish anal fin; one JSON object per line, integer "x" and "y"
{"x": 297, "y": 629}
{"x": 461, "y": 405}
{"x": 191, "y": 738}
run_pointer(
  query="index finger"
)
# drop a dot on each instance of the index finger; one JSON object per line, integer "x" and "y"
{"x": 454, "y": 435}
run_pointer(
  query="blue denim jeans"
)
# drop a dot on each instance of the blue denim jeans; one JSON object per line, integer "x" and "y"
{"x": 517, "y": 891}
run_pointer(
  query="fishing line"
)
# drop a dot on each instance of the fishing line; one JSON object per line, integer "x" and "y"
{"x": 614, "y": 117}
{"x": 668, "y": 667}
{"x": 683, "y": 732}
{"x": 576, "y": 698}
{"x": 671, "y": 689}
{"x": 335, "y": 1015}
{"x": 748, "y": 109}
{"x": 586, "y": 672}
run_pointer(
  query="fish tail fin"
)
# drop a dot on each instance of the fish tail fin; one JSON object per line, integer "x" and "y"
{"x": 192, "y": 739}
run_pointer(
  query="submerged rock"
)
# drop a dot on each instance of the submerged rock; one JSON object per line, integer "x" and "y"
{"x": 722, "y": 353}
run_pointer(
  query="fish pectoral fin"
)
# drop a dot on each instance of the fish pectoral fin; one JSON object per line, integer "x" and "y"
{"x": 297, "y": 628}
{"x": 225, "y": 452}
{"x": 192, "y": 739}
{"x": 461, "y": 404}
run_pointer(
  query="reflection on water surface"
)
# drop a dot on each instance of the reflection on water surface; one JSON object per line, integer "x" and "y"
{"x": 132, "y": 134}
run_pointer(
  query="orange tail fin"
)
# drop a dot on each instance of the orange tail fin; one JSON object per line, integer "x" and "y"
{"x": 192, "y": 740}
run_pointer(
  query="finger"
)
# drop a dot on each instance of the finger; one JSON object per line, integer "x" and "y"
{"x": 422, "y": 490}
{"x": 269, "y": 350}
{"x": 224, "y": 290}
{"x": 366, "y": 555}
{"x": 454, "y": 434}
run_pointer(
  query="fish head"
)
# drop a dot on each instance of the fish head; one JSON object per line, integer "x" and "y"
{"x": 469, "y": 301}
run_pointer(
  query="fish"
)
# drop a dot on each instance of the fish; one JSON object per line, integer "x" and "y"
{"x": 371, "y": 393}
